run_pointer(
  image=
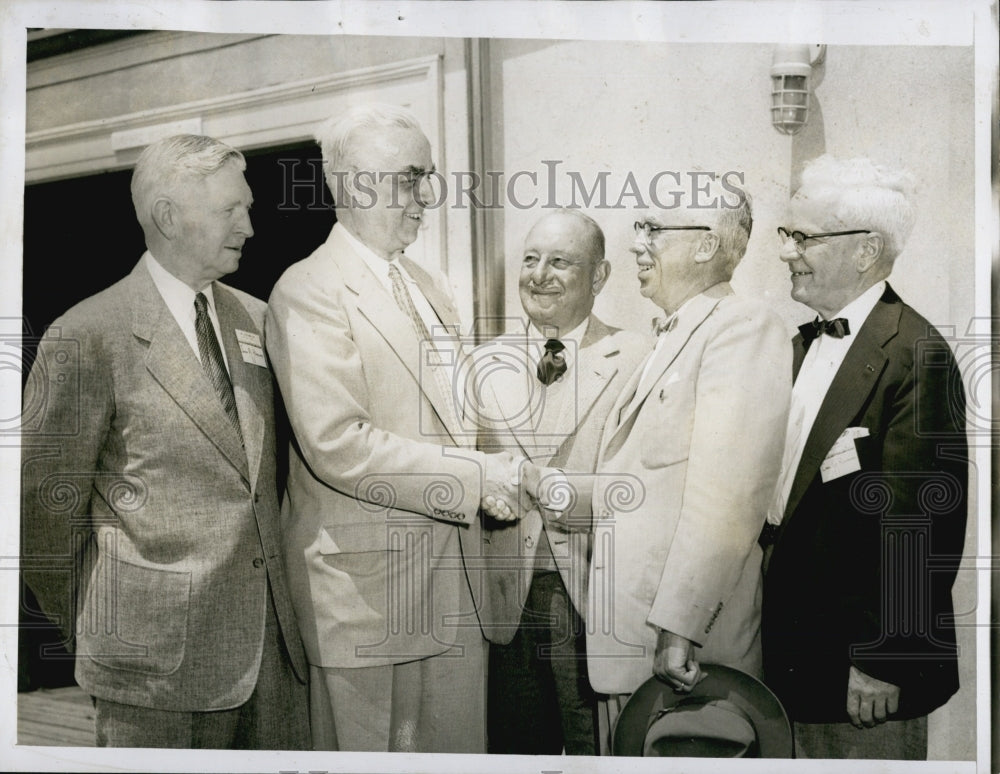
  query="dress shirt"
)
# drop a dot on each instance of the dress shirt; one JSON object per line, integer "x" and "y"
{"x": 819, "y": 367}
{"x": 179, "y": 298}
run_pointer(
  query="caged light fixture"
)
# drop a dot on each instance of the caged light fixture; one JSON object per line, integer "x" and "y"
{"x": 791, "y": 73}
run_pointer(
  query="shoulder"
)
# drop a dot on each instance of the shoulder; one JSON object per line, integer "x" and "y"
{"x": 316, "y": 274}
{"x": 96, "y": 315}
{"x": 254, "y": 306}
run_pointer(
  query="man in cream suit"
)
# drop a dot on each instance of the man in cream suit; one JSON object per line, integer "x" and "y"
{"x": 544, "y": 393}
{"x": 384, "y": 483}
{"x": 687, "y": 463}
{"x": 150, "y": 514}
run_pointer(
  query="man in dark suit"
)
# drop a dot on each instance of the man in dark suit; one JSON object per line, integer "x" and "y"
{"x": 150, "y": 520}
{"x": 866, "y": 531}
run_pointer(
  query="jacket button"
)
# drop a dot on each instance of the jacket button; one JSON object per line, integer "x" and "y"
{"x": 529, "y": 541}
{"x": 258, "y": 562}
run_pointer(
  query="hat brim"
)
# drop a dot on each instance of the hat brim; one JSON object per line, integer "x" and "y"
{"x": 774, "y": 733}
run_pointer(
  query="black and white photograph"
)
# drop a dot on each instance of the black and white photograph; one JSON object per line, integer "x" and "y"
{"x": 466, "y": 386}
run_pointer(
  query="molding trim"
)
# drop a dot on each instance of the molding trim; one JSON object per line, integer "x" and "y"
{"x": 284, "y": 113}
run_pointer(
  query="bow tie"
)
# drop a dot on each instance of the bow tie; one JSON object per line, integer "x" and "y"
{"x": 837, "y": 328}
{"x": 552, "y": 364}
{"x": 664, "y": 324}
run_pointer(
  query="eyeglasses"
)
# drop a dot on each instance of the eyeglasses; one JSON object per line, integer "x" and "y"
{"x": 647, "y": 229}
{"x": 800, "y": 239}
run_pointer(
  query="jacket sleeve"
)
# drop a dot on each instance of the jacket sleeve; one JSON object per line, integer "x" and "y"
{"x": 323, "y": 377}
{"x": 67, "y": 410}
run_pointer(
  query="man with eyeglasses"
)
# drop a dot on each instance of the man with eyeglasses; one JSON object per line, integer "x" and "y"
{"x": 384, "y": 484}
{"x": 687, "y": 463}
{"x": 867, "y": 525}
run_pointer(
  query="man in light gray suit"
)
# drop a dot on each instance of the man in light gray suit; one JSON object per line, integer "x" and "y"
{"x": 545, "y": 392}
{"x": 384, "y": 482}
{"x": 150, "y": 514}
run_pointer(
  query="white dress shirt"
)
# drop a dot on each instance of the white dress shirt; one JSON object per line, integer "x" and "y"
{"x": 825, "y": 356}
{"x": 179, "y": 298}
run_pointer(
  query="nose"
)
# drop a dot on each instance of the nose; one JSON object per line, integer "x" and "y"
{"x": 425, "y": 191}
{"x": 788, "y": 251}
{"x": 639, "y": 244}
{"x": 541, "y": 271}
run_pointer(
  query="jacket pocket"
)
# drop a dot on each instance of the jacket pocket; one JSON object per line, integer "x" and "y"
{"x": 135, "y": 618}
{"x": 358, "y": 538}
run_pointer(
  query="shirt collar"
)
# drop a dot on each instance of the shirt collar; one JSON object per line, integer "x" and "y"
{"x": 576, "y": 335}
{"x": 175, "y": 292}
{"x": 858, "y": 310}
{"x": 374, "y": 261}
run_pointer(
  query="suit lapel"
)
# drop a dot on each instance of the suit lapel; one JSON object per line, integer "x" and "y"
{"x": 513, "y": 389}
{"x": 251, "y": 382}
{"x": 698, "y": 310}
{"x": 438, "y": 300}
{"x": 172, "y": 362}
{"x": 851, "y": 386}
{"x": 380, "y": 308}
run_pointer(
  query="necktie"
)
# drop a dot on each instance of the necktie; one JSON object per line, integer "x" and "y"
{"x": 837, "y": 328}
{"x": 405, "y": 302}
{"x": 664, "y": 324}
{"x": 212, "y": 362}
{"x": 552, "y": 364}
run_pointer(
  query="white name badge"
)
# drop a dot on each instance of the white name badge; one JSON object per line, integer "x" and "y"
{"x": 843, "y": 456}
{"x": 251, "y": 348}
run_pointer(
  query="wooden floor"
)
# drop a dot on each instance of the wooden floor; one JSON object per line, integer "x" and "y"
{"x": 56, "y": 717}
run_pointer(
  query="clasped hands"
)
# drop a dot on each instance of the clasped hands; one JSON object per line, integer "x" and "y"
{"x": 515, "y": 487}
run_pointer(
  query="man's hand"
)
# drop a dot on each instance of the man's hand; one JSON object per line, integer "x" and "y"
{"x": 505, "y": 495}
{"x": 870, "y": 701}
{"x": 550, "y": 489}
{"x": 674, "y": 661}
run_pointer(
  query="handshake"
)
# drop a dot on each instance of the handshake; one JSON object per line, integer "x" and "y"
{"x": 515, "y": 488}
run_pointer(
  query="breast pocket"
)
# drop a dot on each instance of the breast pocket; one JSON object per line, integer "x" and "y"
{"x": 135, "y": 618}
{"x": 665, "y": 423}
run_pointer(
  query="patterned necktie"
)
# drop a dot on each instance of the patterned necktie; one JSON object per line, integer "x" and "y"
{"x": 837, "y": 328}
{"x": 405, "y": 302}
{"x": 552, "y": 364}
{"x": 212, "y": 362}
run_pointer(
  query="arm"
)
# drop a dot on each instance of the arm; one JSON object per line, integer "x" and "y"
{"x": 67, "y": 410}
{"x": 321, "y": 373}
{"x": 743, "y": 388}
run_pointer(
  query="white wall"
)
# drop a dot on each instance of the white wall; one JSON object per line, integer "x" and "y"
{"x": 647, "y": 107}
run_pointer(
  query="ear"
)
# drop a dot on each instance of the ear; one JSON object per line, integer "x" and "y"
{"x": 164, "y": 213}
{"x": 870, "y": 251}
{"x": 601, "y": 273}
{"x": 708, "y": 248}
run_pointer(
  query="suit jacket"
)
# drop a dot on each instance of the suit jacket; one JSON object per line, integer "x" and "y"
{"x": 383, "y": 487}
{"x": 144, "y": 519}
{"x": 862, "y": 566}
{"x": 516, "y": 415}
{"x": 685, "y": 474}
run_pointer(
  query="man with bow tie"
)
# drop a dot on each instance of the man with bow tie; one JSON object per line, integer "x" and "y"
{"x": 687, "y": 462}
{"x": 544, "y": 392}
{"x": 867, "y": 525}
{"x": 151, "y": 523}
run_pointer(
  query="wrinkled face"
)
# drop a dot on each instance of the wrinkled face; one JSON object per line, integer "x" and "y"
{"x": 389, "y": 187}
{"x": 213, "y": 220}
{"x": 825, "y": 278}
{"x": 666, "y": 257}
{"x": 560, "y": 275}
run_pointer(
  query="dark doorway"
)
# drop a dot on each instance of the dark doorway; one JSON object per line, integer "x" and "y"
{"x": 81, "y": 235}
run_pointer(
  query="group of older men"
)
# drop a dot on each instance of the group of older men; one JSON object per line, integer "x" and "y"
{"x": 598, "y": 507}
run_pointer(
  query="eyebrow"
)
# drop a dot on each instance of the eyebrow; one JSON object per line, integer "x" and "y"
{"x": 413, "y": 170}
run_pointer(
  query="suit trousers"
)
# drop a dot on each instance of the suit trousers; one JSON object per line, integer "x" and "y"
{"x": 435, "y": 704}
{"x": 539, "y": 697}
{"x": 894, "y": 740}
{"x": 275, "y": 717}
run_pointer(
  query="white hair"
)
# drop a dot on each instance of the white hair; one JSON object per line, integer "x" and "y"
{"x": 336, "y": 134}
{"x": 167, "y": 162}
{"x": 866, "y": 195}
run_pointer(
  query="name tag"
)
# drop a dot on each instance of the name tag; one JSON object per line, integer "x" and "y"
{"x": 843, "y": 456}
{"x": 251, "y": 348}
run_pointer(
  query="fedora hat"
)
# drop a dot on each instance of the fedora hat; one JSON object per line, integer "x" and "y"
{"x": 728, "y": 714}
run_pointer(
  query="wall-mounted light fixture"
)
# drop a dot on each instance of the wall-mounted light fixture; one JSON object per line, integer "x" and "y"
{"x": 791, "y": 71}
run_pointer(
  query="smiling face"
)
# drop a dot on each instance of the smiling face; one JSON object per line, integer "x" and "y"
{"x": 561, "y": 272}
{"x": 211, "y": 216}
{"x": 829, "y": 275}
{"x": 667, "y": 263}
{"x": 387, "y": 209}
